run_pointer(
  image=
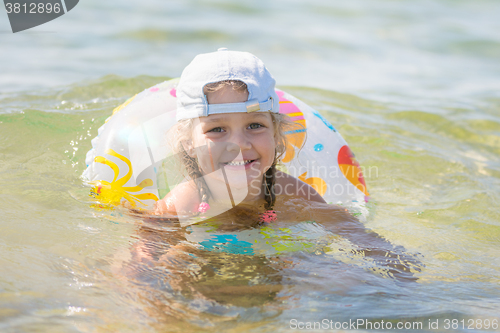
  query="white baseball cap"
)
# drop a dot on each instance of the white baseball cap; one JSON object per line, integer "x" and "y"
{"x": 220, "y": 66}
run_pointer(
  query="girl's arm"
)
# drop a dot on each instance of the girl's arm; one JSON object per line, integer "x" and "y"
{"x": 336, "y": 219}
{"x": 288, "y": 185}
{"x": 184, "y": 198}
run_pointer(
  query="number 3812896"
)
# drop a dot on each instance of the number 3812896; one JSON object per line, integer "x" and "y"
{"x": 33, "y": 8}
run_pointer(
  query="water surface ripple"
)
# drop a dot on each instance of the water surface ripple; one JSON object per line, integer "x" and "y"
{"x": 412, "y": 87}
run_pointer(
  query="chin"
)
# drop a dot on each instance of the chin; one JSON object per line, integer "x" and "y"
{"x": 238, "y": 181}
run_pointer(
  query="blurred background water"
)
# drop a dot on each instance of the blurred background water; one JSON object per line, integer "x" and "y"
{"x": 412, "y": 86}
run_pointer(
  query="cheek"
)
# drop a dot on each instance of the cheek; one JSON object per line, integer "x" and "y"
{"x": 209, "y": 156}
{"x": 203, "y": 158}
{"x": 268, "y": 150}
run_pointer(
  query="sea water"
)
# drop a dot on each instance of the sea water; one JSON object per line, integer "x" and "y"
{"x": 412, "y": 86}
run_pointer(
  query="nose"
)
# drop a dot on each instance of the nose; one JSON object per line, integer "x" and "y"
{"x": 238, "y": 141}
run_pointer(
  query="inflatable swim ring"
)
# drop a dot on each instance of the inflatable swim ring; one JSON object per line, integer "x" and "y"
{"x": 131, "y": 161}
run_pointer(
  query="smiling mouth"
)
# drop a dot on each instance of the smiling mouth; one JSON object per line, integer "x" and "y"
{"x": 239, "y": 163}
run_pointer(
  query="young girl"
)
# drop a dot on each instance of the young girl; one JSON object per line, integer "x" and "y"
{"x": 230, "y": 137}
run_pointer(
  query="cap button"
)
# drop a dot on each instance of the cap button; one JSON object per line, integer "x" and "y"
{"x": 222, "y": 49}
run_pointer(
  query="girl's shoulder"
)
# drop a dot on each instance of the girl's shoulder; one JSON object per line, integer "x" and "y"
{"x": 286, "y": 184}
{"x": 184, "y": 198}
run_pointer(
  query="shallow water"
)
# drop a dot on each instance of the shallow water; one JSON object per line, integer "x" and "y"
{"x": 412, "y": 87}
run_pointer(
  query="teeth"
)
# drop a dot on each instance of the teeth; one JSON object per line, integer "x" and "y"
{"x": 239, "y": 163}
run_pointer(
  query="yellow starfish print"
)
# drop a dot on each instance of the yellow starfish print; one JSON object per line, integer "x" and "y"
{"x": 111, "y": 193}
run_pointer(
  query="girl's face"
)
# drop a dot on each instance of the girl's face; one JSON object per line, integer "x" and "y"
{"x": 243, "y": 144}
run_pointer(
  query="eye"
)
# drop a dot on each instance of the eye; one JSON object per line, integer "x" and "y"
{"x": 216, "y": 130}
{"x": 255, "y": 125}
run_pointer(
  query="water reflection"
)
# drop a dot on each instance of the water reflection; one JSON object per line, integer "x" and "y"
{"x": 212, "y": 271}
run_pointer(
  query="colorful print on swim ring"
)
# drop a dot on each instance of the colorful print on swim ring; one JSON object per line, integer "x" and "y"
{"x": 131, "y": 162}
